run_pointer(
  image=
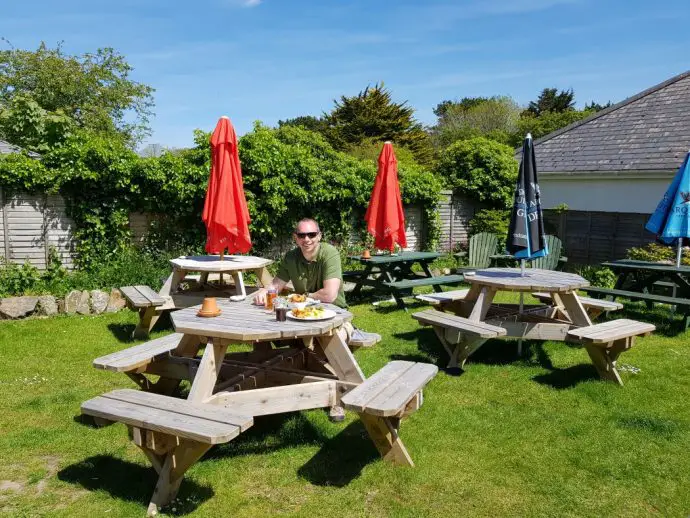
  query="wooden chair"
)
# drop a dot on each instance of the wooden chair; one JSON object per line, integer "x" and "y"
{"x": 552, "y": 261}
{"x": 482, "y": 247}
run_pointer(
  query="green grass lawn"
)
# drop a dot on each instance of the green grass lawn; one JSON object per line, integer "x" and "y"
{"x": 538, "y": 435}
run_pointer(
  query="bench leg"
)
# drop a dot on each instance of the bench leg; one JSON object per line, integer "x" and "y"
{"x": 171, "y": 466}
{"x": 147, "y": 319}
{"x": 604, "y": 359}
{"x": 384, "y": 434}
{"x": 464, "y": 350}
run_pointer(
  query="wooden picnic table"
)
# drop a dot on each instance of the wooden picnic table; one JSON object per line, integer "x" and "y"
{"x": 638, "y": 280}
{"x": 152, "y": 305}
{"x": 294, "y": 365}
{"x": 477, "y": 319}
{"x": 392, "y": 273}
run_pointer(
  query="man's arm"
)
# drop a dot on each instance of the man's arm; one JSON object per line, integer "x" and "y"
{"x": 328, "y": 293}
{"x": 277, "y": 284}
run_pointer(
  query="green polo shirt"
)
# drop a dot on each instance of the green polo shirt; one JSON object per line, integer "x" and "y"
{"x": 308, "y": 276}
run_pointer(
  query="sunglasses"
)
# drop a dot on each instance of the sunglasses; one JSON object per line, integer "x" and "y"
{"x": 310, "y": 235}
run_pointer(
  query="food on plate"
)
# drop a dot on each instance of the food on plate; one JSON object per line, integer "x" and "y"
{"x": 297, "y": 297}
{"x": 308, "y": 312}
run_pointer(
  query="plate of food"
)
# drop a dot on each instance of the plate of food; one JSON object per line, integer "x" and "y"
{"x": 299, "y": 301}
{"x": 311, "y": 313}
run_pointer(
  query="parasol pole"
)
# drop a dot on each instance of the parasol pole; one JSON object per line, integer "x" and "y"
{"x": 679, "y": 252}
{"x": 522, "y": 295}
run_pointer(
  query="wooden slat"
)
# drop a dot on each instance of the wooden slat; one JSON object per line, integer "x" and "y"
{"x": 154, "y": 298}
{"x": 182, "y": 406}
{"x": 388, "y": 391}
{"x": 135, "y": 298}
{"x": 587, "y": 302}
{"x": 165, "y": 421}
{"x": 612, "y": 330}
{"x": 426, "y": 281}
{"x": 359, "y": 397}
{"x": 393, "y": 399}
{"x": 448, "y": 321}
{"x": 275, "y": 400}
{"x": 445, "y": 296}
{"x": 133, "y": 357}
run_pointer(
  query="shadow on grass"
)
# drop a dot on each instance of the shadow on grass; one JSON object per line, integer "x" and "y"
{"x": 430, "y": 349}
{"x": 271, "y": 433}
{"x": 123, "y": 332}
{"x": 568, "y": 377}
{"x": 341, "y": 458}
{"x": 130, "y": 482}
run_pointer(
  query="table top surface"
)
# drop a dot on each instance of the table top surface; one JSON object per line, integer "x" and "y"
{"x": 243, "y": 321}
{"x": 397, "y": 258}
{"x": 212, "y": 263}
{"x": 534, "y": 279}
{"x": 631, "y": 264}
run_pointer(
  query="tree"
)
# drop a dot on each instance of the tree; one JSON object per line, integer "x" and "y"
{"x": 596, "y": 107}
{"x": 491, "y": 117}
{"x": 309, "y": 122}
{"x": 546, "y": 123}
{"x": 481, "y": 169}
{"x": 373, "y": 114}
{"x": 550, "y": 100}
{"x": 92, "y": 89}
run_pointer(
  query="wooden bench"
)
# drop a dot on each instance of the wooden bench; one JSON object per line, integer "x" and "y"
{"x": 135, "y": 361}
{"x": 146, "y": 301}
{"x": 394, "y": 391}
{"x": 443, "y": 296}
{"x": 649, "y": 297}
{"x": 173, "y": 433}
{"x": 594, "y": 307}
{"x": 439, "y": 280}
{"x": 606, "y": 341}
{"x": 459, "y": 336}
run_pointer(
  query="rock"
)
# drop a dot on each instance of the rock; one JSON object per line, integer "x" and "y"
{"x": 61, "y": 305}
{"x": 47, "y": 305}
{"x": 99, "y": 301}
{"x": 115, "y": 302}
{"x": 77, "y": 302}
{"x": 17, "y": 307}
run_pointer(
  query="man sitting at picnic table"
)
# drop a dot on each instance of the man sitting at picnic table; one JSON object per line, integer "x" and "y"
{"x": 313, "y": 267}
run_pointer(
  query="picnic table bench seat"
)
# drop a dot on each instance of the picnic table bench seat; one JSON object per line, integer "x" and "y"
{"x": 606, "y": 341}
{"x": 450, "y": 330}
{"x": 594, "y": 307}
{"x": 141, "y": 297}
{"x": 133, "y": 358}
{"x": 443, "y": 296}
{"x": 439, "y": 280}
{"x": 393, "y": 391}
{"x": 648, "y": 297}
{"x": 173, "y": 433}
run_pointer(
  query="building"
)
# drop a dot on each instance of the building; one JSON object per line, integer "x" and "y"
{"x": 611, "y": 170}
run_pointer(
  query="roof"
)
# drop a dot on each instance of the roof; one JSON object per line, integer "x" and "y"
{"x": 6, "y": 148}
{"x": 649, "y": 132}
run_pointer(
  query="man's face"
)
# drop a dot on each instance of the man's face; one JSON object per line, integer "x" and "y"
{"x": 307, "y": 237}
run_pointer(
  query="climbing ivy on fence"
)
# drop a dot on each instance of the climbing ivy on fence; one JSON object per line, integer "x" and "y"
{"x": 289, "y": 173}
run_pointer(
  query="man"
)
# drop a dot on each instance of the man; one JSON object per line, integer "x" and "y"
{"x": 313, "y": 267}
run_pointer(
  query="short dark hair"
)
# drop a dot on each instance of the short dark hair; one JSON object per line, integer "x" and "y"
{"x": 306, "y": 220}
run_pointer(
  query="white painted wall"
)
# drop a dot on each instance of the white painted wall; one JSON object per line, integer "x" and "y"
{"x": 610, "y": 193}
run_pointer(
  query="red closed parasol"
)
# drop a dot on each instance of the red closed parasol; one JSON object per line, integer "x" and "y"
{"x": 225, "y": 210}
{"x": 385, "y": 217}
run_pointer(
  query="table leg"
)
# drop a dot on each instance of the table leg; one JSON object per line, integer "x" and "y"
{"x": 358, "y": 285}
{"x": 381, "y": 430}
{"x": 239, "y": 284}
{"x": 576, "y": 312}
{"x": 264, "y": 276}
{"x": 209, "y": 368}
{"x": 172, "y": 283}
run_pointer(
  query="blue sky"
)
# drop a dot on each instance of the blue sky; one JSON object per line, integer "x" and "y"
{"x": 275, "y": 59}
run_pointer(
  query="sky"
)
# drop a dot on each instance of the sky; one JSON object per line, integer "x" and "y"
{"x": 269, "y": 60}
